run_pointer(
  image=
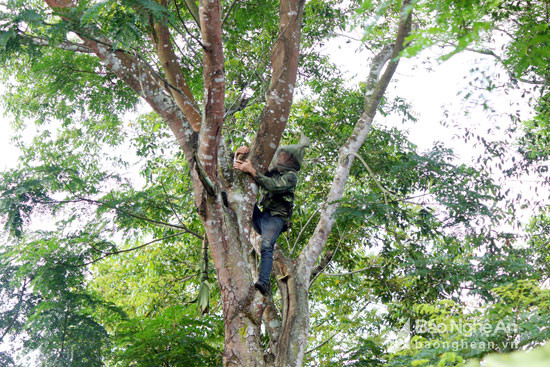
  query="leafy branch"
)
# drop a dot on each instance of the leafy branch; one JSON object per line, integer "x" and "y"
{"x": 106, "y": 254}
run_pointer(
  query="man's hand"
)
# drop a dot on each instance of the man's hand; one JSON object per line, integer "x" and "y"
{"x": 245, "y": 166}
{"x": 242, "y": 150}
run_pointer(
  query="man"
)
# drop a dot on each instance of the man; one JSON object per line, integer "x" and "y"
{"x": 276, "y": 199}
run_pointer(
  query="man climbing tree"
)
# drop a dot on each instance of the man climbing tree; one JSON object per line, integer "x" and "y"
{"x": 150, "y": 53}
{"x": 276, "y": 198}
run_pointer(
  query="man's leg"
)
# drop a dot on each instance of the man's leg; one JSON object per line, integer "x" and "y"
{"x": 256, "y": 219}
{"x": 271, "y": 229}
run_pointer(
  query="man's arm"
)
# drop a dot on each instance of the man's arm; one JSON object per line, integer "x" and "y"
{"x": 245, "y": 166}
{"x": 279, "y": 184}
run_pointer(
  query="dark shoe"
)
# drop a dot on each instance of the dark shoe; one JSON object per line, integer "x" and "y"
{"x": 262, "y": 288}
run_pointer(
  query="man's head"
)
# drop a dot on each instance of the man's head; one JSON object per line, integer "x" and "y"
{"x": 290, "y": 156}
{"x": 287, "y": 160}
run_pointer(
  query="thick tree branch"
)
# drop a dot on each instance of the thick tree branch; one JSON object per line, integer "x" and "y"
{"x": 284, "y": 64}
{"x": 67, "y": 46}
{"x": 138, "y": 76}
{"x": 152, "y": 88}
{"x": 181, "y": 93}
{"x": 372, "y": 102}
{"x": 376, "y": 88}
{"x": 214, "y": 85}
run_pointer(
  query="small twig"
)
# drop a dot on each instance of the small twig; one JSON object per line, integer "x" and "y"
{"x": 197, "y": 21}
{"x": 190, "y": 34}
{"x": 196, "y": 56}
{"x": 160, "y": 223}
{"x": 231, "y": 110}
{"x": 303, "y": 228}
{"x": 228, "y": 11}
{"x": 130, "y": 249}
{"x": 320, "y": 271}
{"x": 80, "y": 199}
{"x": 323, "y": 343}
{"x": 380, "y": 186}
{"x": 191, "y": 5}
{"x": 192, "y": 14}
{"x": 337, "y": 332}
{"x": 170, "y": 204}
{"x": 351, "y": 272}
{"x": 98, "y": 250}
{"x": 501, "y": 62}
{"x": 140, "y": 79}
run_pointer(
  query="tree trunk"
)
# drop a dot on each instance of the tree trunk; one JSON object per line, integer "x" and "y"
{"x": 294, "y": 287}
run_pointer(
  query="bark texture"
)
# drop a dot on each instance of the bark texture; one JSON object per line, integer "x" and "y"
{"x": 284, "y": 62}
{"x": 178, "y": 87}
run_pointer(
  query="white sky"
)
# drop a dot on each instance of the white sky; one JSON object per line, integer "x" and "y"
{"x": 432, "y": 91}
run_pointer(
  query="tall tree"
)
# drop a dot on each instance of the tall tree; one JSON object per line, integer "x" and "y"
{"x": 207, "y": 71}
{"x": 117, "y": 34}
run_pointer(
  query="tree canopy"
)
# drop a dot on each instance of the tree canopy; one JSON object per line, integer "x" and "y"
{"x": 127, "y": 232}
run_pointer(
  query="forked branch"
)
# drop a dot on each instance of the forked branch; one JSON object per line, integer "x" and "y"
{"x": 376, "y": 87}
{"x": 181, "y": 93}
{"x": 284, "y": 64}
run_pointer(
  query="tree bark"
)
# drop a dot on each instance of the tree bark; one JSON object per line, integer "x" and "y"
{"x": 178, "y": 86}
{"x": 284, "y": 63}
{"x": 294, "y": 288}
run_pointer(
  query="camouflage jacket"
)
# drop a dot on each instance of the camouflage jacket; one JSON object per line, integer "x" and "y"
{"x": 277, "y": 192}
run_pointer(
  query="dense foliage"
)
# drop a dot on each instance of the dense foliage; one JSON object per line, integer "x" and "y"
{"x": 104, "y": 262}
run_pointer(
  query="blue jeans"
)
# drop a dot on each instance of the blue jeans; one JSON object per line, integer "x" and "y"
{"x": 270, "y": 227}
